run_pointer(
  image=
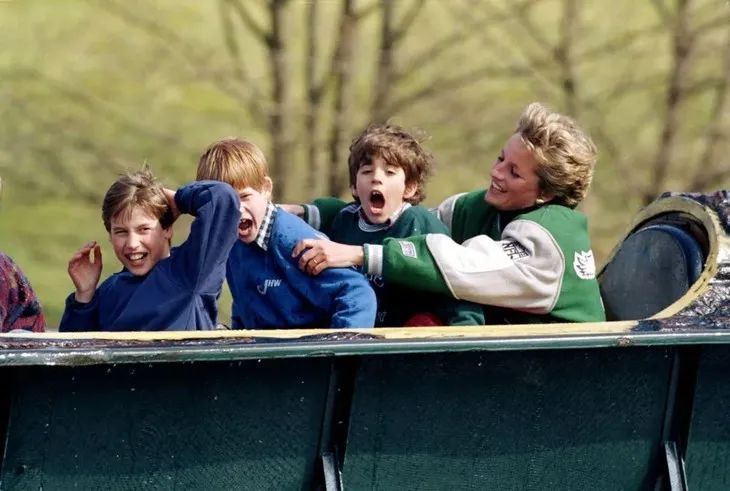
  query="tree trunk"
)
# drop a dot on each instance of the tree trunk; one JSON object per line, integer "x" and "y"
{"x": 281, "y": 100}
{"x": 337, "y": 181}
{"x": 681, "y": 46}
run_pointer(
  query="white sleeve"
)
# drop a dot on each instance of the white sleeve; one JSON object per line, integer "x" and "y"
{"x": 522, "y": 271}
{"x": 314, "y": 219}
{"x": 445, "y": 211}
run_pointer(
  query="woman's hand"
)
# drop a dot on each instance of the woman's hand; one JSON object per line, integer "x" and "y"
{"x": 84, "y": 268}
{"x": 320, "y": 254}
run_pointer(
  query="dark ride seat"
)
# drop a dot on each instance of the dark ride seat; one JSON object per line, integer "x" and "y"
{"x": 652, "y": 268}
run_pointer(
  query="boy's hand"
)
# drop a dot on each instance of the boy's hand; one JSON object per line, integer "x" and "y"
{"x": 320, "y": 254}
{"x": 297, "y": 210}
{"x": 84, "y": 268}
{"x": 170, "y": 197}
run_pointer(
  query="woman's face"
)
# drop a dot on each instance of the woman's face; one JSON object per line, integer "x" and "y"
{"x": 515, "y": 184}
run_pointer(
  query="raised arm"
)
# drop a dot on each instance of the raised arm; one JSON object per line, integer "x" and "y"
{"x": 81, "y": 311}
{"x": 215, "y": 206}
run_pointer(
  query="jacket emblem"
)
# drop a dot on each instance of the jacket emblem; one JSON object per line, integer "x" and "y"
{"x": 408, "y": 248}
{"x": 584, "y": 265}
{"x": 515, "y": 250}
{"x": 268, "y": 284}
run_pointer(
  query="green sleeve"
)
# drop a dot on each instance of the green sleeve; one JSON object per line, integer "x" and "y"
{"x": 327, "y": 208}
{"x": 408, "y": 262}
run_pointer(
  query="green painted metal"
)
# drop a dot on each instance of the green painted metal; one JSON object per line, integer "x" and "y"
{"x": 475, "y": 419}
{"x": 708, "y": 449}
{"x": 80, "y": 352}
{"x": 549, "y": 420}
{"x": 199, "y": 426}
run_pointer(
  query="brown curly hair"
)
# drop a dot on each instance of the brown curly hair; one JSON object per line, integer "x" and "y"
{"x": 395, "y": 146}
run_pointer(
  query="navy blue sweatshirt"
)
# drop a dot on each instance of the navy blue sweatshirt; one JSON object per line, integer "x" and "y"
{"x": 180, "y": 292}
{"x": 269, "y": 290}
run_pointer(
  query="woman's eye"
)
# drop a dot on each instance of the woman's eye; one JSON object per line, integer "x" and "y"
{"x": 514, "y": 172}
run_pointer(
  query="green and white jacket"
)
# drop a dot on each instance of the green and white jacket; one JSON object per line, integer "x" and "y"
{"x": 345, "y": 223}
{"x": 533, "y": 265}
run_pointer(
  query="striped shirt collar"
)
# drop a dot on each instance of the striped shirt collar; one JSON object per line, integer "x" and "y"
{"x": 364, "y": 225}
{"x": 267, "y": 224}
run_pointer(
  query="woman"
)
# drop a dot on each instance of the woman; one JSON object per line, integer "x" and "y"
{"x": 19, "y": 306}
{"x": 519, "y": 248}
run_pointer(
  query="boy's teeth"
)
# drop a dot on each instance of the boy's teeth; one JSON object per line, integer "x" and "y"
{"x": 135, "y": 257}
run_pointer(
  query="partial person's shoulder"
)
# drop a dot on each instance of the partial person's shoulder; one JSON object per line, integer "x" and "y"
{"x": 7, "y": 265}
{"x": 13, "y": 275}
{"x": 347, "y": 213}
{"x": 352, "y": 208}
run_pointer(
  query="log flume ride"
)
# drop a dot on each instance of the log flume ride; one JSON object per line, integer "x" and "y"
{"x": 639, "y": 402}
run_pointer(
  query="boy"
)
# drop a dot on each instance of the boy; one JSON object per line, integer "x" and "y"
{"x": 388, "y": 168}
{"x": 159, "y": 288}
{"x": 268, "y": 289}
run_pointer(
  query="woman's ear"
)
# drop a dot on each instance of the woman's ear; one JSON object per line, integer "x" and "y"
{"x": 267, "y": 188}
{"x": 548, "y": 197}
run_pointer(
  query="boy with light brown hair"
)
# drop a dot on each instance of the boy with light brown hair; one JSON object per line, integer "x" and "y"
{"x": 268, "y": 289}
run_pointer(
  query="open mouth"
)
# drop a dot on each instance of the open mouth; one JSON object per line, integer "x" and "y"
{"x": 245, "y": 225}
{"x": 136, "y": 257}
{"x": 377, "y": 200}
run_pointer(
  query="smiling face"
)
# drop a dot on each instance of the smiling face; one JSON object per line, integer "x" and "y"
{"x": 381, "y": 189}
{"x": 515, "y": 183}
{"x": 139, "y": 240}
{"x": 253, "y": 209}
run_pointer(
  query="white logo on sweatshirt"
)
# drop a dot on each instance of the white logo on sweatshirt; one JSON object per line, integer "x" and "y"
{"x": 584, "y": 265}
{"x": 267, "y": 284}
{"x": 376, "y": 280}
{"x": 408, "y": 248}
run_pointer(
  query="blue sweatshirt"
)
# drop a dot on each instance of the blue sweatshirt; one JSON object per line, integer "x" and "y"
{"x": 180, "y": 292}
{"x": 269, "y": 290}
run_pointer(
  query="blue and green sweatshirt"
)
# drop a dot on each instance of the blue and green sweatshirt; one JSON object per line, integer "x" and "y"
{"x": 181, "y": 291}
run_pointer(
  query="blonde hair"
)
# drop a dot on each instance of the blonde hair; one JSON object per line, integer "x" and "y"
{"x": 238, "y": 162}
{"x": 565, "y": 154}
